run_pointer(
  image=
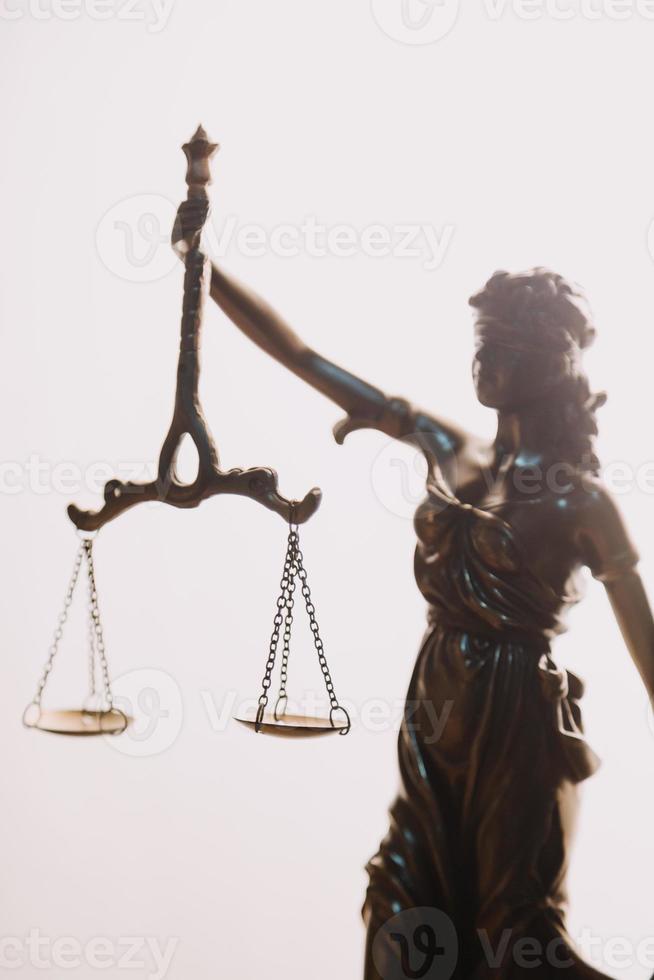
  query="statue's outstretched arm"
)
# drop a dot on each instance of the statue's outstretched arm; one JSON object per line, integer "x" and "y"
{"x": 263, "y": 325}
{"x": 365, "y": 405}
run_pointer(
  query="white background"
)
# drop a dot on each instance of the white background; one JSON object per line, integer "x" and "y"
{"x": 532, "y": 140}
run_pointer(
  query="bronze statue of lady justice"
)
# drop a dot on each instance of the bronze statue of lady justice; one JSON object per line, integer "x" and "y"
{"x": 482, "y": 825}
{"x": 481, "y": 828}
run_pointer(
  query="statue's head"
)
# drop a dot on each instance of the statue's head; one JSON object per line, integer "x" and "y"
{"x": 530, "y": 331}
{"x": 530, "y": 328}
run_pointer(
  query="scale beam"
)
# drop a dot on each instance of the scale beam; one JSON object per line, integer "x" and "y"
{"x": 258, "y": 483}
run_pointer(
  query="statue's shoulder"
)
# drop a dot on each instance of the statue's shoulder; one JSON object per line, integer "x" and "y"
{"x": 604, "y": 542}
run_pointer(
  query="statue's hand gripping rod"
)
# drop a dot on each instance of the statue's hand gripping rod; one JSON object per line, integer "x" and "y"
{"x": 259, "y": 483}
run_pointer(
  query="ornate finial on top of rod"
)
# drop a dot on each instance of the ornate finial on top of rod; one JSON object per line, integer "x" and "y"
{"x": 198, "y": 151}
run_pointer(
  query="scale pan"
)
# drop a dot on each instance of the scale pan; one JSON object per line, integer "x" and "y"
{"x": 292, "y": 726}
{"x": 76, "y": 722}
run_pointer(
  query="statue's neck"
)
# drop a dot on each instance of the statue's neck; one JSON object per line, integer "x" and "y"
{"x": 519, "y": 436}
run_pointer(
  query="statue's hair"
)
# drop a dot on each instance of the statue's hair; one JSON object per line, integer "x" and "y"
{"x": 543, "y": 308}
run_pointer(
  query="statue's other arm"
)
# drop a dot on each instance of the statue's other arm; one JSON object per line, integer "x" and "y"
{"x": 612, "y": 558}
{"x": 634, "y": 615}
